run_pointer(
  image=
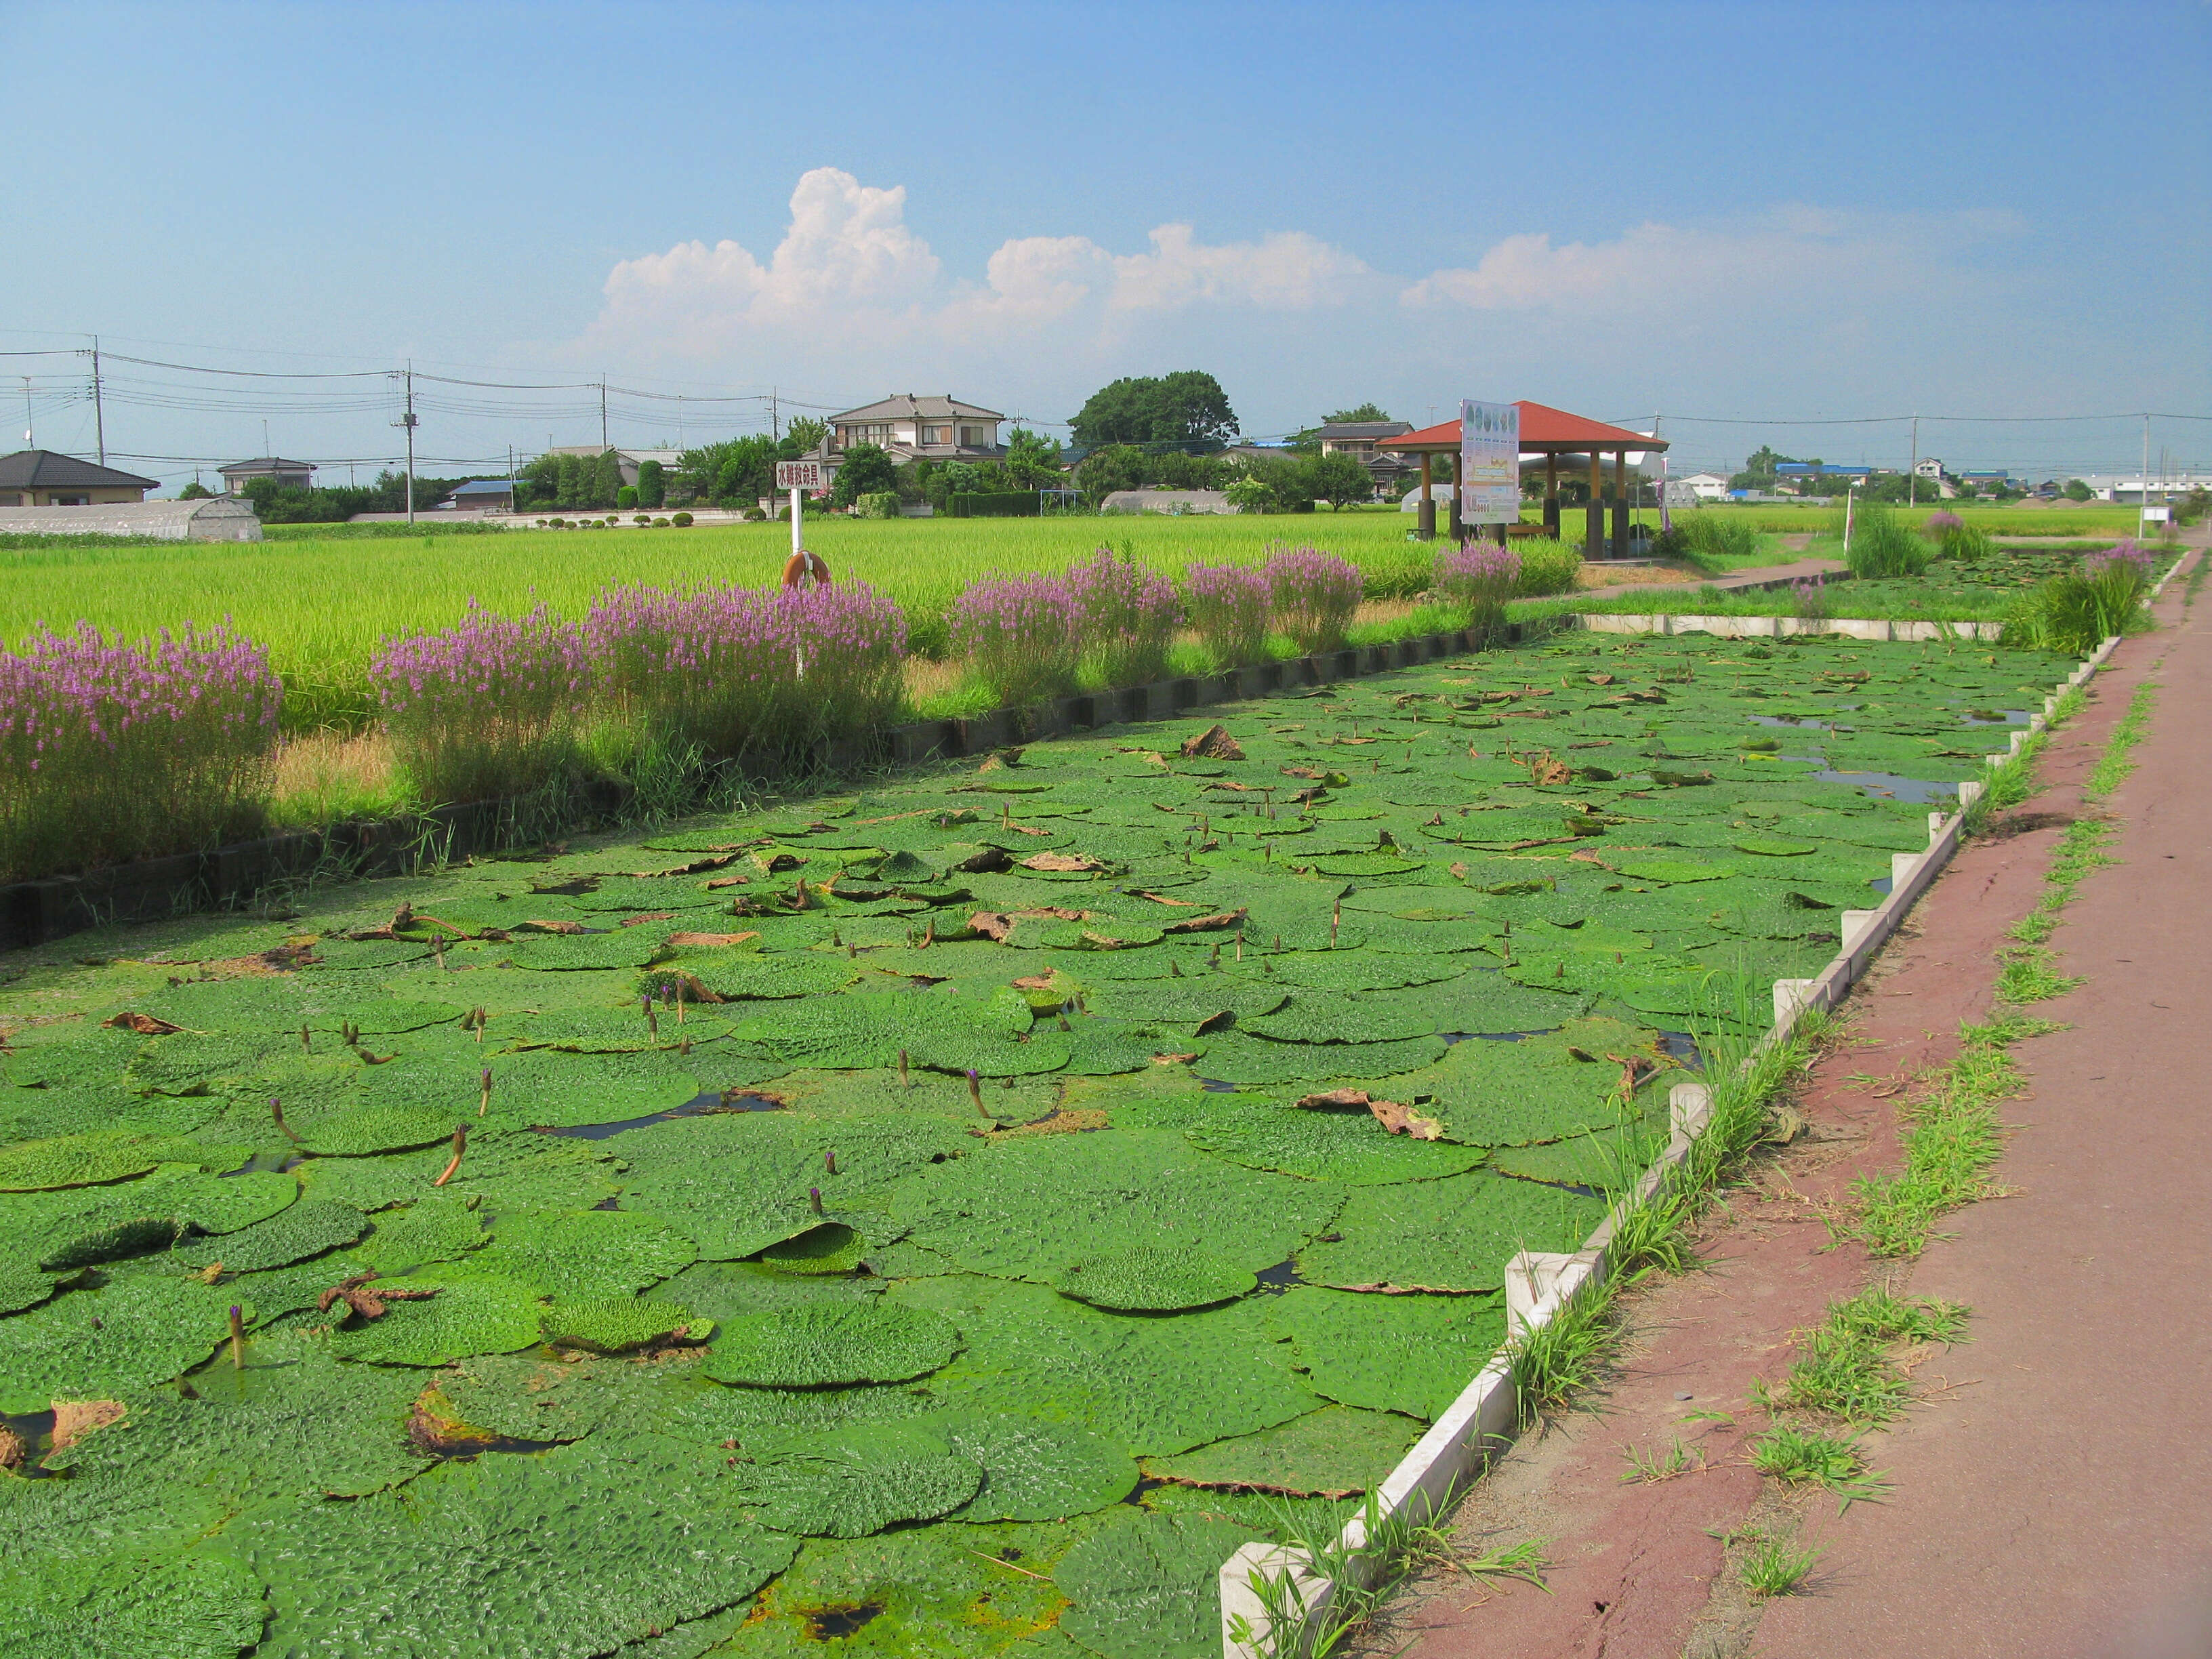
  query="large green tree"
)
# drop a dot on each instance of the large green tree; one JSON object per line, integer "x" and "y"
{"x": 1340, "y": 480}
{"x": 865, "y": 470}
{"x": 1364, "y": 412}
{"x": 1187, "y": 410}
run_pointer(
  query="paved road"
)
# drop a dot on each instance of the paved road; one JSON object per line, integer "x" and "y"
{"x": 2057, "y": 1500}
{"x": 2063, "y": 1504}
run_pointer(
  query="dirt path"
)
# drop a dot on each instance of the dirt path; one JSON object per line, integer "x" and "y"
{"x": 1798, "y": 570}
{"x": 2007, "y": 1533}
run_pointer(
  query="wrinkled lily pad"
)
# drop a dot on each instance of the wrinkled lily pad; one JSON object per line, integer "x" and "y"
{"x": 1148, "y": 1278}
{"x": 814, "y": 1347}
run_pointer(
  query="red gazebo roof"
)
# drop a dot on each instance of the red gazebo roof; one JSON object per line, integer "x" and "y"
{"x": 1542, "y": 428}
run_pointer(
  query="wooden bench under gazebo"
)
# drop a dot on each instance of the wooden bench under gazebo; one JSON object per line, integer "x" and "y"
{"x": 1551, "y": 433}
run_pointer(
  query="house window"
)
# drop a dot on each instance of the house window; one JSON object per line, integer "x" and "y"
{"x": 937, "y": 434}
{"x": 15, "y": 500}
{"x": 975, "y": 437}
{"x": 72, "y": 500}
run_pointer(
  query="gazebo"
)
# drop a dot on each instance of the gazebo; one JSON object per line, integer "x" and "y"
{"x": 1550, "y": 433}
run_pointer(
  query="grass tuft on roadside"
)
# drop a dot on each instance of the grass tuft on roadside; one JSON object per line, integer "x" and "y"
{"x": 1846, "y": 1369}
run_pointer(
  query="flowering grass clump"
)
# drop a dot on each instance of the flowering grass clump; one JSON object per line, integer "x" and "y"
{"x": 1482, "y": 576}
{"x": 111, "y": 751}
{"x": 1955, "y": 538}
{"x": 1228, "y": 605}
{"x": 1808, "y": 598}
{"x": 1880, "y": 545}
{"x": 741, "y": 672}
{"x": 486, "y": 709}
{"x": 1018, "y": 634}
{"x": 1315, "y": 595}
{"x": 1125, "y": 617}
{"x": 2072, "y": 614}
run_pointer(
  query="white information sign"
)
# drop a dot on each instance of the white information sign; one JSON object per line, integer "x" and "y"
{"x": 2157, "y": 514}
{"x": 799, "y": 474}
{"x": 1489, "y": 463}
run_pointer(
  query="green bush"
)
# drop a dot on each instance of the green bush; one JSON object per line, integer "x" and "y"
{"x": 2071, "y": 615}
{"x": 1010, "y": 504}
{"x": 1546, "y": 567}
{"x": 626, "y": 496}
{"x": 681, "y": 520}
{"x": 1710, "y": 535}
{"x": 878, "y": 504}
{"x": 1882, "y": 545}
{"x": 756, "y": 515}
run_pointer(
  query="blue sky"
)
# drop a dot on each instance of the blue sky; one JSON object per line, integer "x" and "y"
{"x": 1718, "y": 210}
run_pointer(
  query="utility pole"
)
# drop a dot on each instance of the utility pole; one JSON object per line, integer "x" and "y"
{"x": 2142, "y": 495}
{"x": 775, "y": 431}
{"x": 1912, "y": 477}
{"x": 99, "y": 416}
{"x": 409, "y": 422}
{"x": 603, "y": 411}
{"x": 29, "y": 441}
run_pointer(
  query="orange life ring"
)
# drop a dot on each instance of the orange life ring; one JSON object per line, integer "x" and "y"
{"x": 803, "y": 564}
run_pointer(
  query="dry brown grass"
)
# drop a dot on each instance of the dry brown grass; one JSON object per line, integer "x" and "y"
{"x": 326, "y": 775}
{"x": 1634, "y": 575}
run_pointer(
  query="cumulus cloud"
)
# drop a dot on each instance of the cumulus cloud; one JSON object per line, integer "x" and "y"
{"x": 848, "y": 247}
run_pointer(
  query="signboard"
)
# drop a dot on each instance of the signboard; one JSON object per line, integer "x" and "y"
{"x": 799, "y": 474}
{"x": 1489, "y": 463}
{"x": 2157, "y": 514}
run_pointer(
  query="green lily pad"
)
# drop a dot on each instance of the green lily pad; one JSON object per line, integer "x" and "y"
{"x": 848, "y": 1482}
{"x": 92, "y": 1343}
{"x": 832, "y": 1248}
{"x": 609, "y": 1325}
{"x": 470, "y": 1314}
{"x": 819, "y": 1346}
{"x": 1339, "y": 1451}
{"x": 1148, "y": 1278}
{"x": 1410, "y": 1354}
{"x": 1672, "y": 871}
{"x": 294, "y": 1233}
{"x": 1149, "y": 1588}
{"x": 1456, "y": 1234}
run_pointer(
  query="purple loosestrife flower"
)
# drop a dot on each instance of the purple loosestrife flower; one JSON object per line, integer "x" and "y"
{"x": 1482, "y": 576}
{"x": 1939, "y": 524}
{"x": 110, "y": 751}
{"x": 1125, "y": 617}
{"x": 738, "y": 670}
{"x": 488, "y": 708}
{"x": 1229, "y": 605}
{"x": 1315, "y": 594}
{"x": 1020, "y": 634}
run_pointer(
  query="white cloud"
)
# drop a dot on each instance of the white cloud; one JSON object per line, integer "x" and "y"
{"x": 1651, "y": 267}
{"x": 848, "y": 247}
{"x": 1284, "y": 271}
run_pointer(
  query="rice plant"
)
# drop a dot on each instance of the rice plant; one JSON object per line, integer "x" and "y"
{"x": 1716, "y": 535}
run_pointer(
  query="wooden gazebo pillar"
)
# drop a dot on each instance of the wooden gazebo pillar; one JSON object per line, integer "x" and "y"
{"x": 1425, "y": 515}
{"x": 1552, "y": 494}
{"x": 1458, "y": 526}
{"x": 1620, "y": 503}
{"x": 1594, "y": 536}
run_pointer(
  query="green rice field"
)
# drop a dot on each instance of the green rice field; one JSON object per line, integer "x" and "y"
{"x": 917, "y": 1221}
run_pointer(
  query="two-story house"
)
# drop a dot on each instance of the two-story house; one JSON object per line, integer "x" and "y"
{"x": 912, "y": 428}
{"x": 1360, "y": 439}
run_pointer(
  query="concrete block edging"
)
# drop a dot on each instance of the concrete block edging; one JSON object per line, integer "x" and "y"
{"x": 1483, "y": 1420}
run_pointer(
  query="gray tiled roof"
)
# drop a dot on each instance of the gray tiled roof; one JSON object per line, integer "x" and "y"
{"x": 43, "y": 469}
{"x": 906, "y": 406}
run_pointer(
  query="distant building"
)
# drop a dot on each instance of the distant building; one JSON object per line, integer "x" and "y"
{"x": 1695, "y": 488}
{"x": 41, "y": 477}
{"x": 1928, "y": 467}
{"x": 292, "y": 474}
{"x": 627, "y": 459}
{"x": 482, "y": 496}
{"x": 1360, "y": 439}
{"x": 914, "y": 428}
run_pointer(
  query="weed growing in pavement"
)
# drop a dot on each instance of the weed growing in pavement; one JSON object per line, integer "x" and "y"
{"x": 1805, "y": 1456}
{"x": 1394, "y": 1548}
{"x": 2113, "y": 766}
{"x": 1952, "y": 1137}
{"x": 2080, "y": 850}
{"x": 2028, "y": 973}
{"x": 1844, "y": 1369}
{"x": 1776, "y": 1567}
{"x": 1650, "y": 1467}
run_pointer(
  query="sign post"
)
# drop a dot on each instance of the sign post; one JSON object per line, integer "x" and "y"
{"x": 797, "y": 476}
{"x": 1489, "y": 463}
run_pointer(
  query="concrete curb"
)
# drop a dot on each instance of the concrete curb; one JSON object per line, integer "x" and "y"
{"x": 1769, "y": 628}
{"x": 1485, "y": 1418}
